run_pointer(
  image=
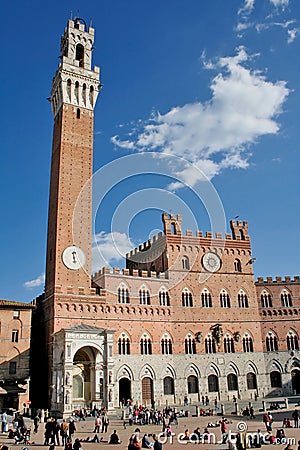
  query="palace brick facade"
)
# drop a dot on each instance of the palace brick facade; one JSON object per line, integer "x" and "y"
{"x": 185, "y": 317}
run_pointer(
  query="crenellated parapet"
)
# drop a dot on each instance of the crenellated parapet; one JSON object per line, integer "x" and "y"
{"x": 172, "y": 227}
{"x": 277, "y": 280}
{"x": 137, "y": 273}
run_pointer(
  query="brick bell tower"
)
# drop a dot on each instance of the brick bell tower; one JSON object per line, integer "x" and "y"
{"x": 75, "y": 88}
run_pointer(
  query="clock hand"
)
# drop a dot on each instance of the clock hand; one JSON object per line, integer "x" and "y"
{"x": 74, "y": 256}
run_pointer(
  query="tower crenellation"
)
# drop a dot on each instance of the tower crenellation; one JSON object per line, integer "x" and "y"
{"x": 239, "y": 230}
{"x": 172, "y": 223}
{"x": 75, "y": 82}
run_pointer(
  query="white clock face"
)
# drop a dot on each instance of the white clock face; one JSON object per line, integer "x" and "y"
{"x": 73, "y": 257}
{"x": 211, "y": 262}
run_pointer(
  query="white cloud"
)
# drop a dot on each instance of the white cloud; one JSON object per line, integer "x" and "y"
{"x": 247, "y": 8}
{"x": 292, "y": 34}
{"x": 278, "y": 7}
{"x": 39, "y": 281}
{"x": 123, "y": 144}
{"x": 280, "y": 3}
{"x": 110, "y": 248}
{"x": 244, "y": 106}
{"x": 189, "y": 175}
{"x": 242, "y": 26}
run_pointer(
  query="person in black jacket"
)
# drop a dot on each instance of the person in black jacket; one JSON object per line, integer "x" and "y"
{"x": 114, "y": 438}
{"x": 157, "y": 444}
{"x": 56, "y": 430}
{"x": 77, "y": 444}
{"x": 295, "y": 416}
{"x": 72, "y": 428}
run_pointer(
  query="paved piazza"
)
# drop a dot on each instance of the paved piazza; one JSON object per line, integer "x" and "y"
{"x": 84, "y": 429}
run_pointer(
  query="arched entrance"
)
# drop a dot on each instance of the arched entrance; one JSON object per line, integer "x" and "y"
{"x": 84, "y": 376}
{"x": 147, "y": 390}
{"x": 124, "y": 390}
{"x": 295, "y": 374}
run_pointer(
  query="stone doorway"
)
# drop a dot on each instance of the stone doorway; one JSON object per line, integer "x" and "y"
{"x": 147, "y": 390}
{"x": 295, "y": 374}
{"x": 124, "y": 390}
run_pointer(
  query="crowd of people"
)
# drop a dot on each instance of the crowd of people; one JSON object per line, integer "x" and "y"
{"x": 20, "y": 432}
{"x": 61, "y": 433}
{"x": 142, "y": 415}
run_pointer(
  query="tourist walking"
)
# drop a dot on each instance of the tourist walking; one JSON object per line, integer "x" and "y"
{"x": 98, "y": 423}
{"x": 295, "y": 416}
{"x": 224, "y": 432}
{"x": 64, "y": 432}
{"x": 4, "y": 421}
{"x": 36, "y": 422}
{"x": 72, "y": 428}
{"x": 56, "y": 431}
{"x": 105, "y": 423}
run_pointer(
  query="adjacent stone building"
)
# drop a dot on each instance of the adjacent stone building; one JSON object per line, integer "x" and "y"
{"x": 15, "y": 332}
{"x": 185, "y": 317}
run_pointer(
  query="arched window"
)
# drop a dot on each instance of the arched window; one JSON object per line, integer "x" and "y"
{"x": 144, "y": 296}
{"x": 84, "y": 93}
{"x": 292, "y": 341}
{"x": 123, "y": 294}
{"x": 190, "y": 345}
{"x": 168, "y": 386}
{"x": 76, "y": 90}
{"x": 232, "y": 382}
{"x": 164, "y": 299}
{"x": 224, "y": 299}
{"x": 173, "y": 228}
{"x": 146, "y": 345}
{"x": 275, "y": 379}
{"x": 92, "y": 95}
{"x": 213, "y": 383}
{"x": 210, "y": 344}
{"x": 271, "y": 342}
{"x": 286, "y": 299}
{"x": 243, "y": 299}
{"x": 187, "y": 298}
{"x": 69, "y": 84}
{"x": 185, "y": 263}
{"x": 124, "y": 345}
{"x": 266, "y": 299}
{"x": 193, "y": 385}
{"x": 247, "y": 343}
{"x": 228, "y": 344}
{"x": 166, "y": 345}
{"x": 242, "y": 236}
{"x": 251, "y": 381}
{"x": 79, "y": 56}
{"x": 237, "y": 265}
{"x": 206, "y": 298}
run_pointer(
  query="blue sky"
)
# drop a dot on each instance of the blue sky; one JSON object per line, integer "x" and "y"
{"x": 212, "y": 85}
